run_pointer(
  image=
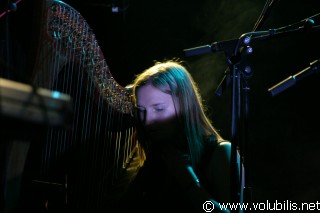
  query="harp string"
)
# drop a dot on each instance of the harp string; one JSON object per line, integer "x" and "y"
{"x": 89, "y": 156}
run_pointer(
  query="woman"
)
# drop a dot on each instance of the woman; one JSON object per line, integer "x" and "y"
{"x": 186, "y": 161}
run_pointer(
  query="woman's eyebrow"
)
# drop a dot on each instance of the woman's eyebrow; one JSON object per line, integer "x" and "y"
{"x": 155, "y": 104}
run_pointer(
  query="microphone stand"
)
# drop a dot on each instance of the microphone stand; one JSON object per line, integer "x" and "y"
{"x": 239, "y": 74}
{"x": 235, "y": 51}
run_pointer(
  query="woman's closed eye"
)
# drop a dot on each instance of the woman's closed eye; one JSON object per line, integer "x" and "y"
{"x": 158, "y": 109}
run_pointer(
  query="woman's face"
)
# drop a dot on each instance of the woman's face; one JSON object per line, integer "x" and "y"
{"x": 157, "y": 113}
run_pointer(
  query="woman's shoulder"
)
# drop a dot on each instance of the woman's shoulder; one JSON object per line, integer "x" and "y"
{"x": 214, "y": 168}
{"x": 217, "y": 152}
{"x": 224, "y": 145}
{"x": 212, "y": 143}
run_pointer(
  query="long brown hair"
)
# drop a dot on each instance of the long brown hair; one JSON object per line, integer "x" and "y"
{"x": 173, "y": 74}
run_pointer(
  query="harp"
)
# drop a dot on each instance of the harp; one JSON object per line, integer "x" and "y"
{"x": 79, "y": 167}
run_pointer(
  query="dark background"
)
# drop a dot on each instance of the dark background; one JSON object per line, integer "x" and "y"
{"x": 283, "y": 137}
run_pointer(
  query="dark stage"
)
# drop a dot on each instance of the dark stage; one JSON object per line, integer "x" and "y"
{"x": 282, "y": 148}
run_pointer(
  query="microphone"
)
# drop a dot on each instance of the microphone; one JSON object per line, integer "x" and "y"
{"x": 194, "y": 176}
{"x": 190, "y": 169}
{"x": 291, "y": 80}
{"x": 226, "y": 46}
